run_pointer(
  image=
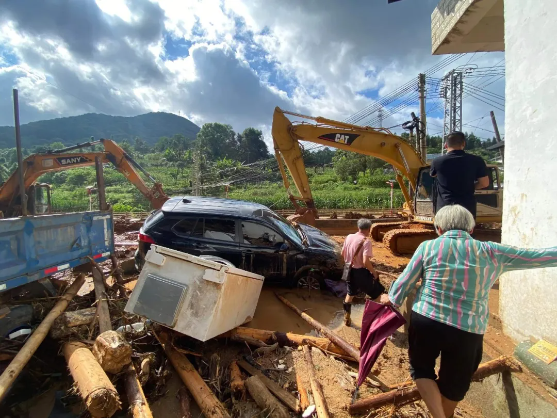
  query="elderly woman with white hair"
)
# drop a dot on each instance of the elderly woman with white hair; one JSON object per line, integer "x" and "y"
{"x": 450, "y": 313}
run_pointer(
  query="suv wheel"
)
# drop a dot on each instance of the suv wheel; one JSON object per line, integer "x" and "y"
{"x": 310, "y": 279}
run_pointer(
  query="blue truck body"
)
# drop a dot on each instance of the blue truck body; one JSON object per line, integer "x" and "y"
{"x": 35, "y": 247}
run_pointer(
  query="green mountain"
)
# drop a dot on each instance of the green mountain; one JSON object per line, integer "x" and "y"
{"x": 75, "y": 129}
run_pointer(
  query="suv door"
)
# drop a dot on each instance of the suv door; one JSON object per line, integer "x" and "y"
{"x": 264, "y": 250}
{"x": 208, "y": 236}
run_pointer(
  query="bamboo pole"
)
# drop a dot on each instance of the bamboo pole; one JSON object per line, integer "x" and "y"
{"x": 316, "y": 388}
{"x": 406, "y": 395}
{"x": 267, "y": 402}
{"x": 208, "y": 403}
{"x": 284, "y": 339}
{"x": 136, "y": 398}
{"x": 94, "y": 386}
{"x": 26, "y": 352}
{"x": 342, "y": 343}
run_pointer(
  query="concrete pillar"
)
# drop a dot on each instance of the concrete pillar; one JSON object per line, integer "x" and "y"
{"x": 528, "y": 299}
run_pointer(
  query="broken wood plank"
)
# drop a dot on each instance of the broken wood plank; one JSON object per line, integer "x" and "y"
{"x": 103, "y": 313}
{"x": 284, "y": 339}
{"x": 406, "y": 395}
{"x": 339, "y": 341}
{"x": 236, "y": 381}
{"x": 266, "y": 401}
{"x": 286, "y": 397}
{"x": 208, "y": 403}
{"x": 112, "y": 351}
{"x": 26, "y": 352}
{"x": 304, "y": 399}
{"x": 316, "y": 389}
{"x": 94, "y": 386}
{"x": 136, "y": 398}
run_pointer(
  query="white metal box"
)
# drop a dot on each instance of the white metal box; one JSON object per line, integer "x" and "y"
{"x": 194, "y": 296}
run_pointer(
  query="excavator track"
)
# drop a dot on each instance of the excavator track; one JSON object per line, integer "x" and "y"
{"x": 378, "y": 230}
{"x": 406, "y": 241}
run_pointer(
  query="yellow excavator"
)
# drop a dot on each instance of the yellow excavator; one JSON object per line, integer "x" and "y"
{"x": 38, "y": 164}
{"x": 401, "y": 237}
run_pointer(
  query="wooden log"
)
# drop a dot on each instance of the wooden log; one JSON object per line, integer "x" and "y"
{"x": 94, "y": 387}
{"x": 342, "y": 343}
{"x": 103, "y": 313}
{"x": 136, "y": 398}
{"x": 62, "y": 326}
{"x": 185, "y": 402}
{"x": 112, "y": 351}
{"x": 316, "y": 388}
{"x": 406, "y": 395}
{"x": 284, "y": 339}
{"x": 26, "y": 352}
{"x": 236, "y": 381}
{"x": 266, "y": 401}
{"x": 286, "y": 397}
{"x": 117, "y": 273}
{"x": 208, "y": 403}
{"x": 304, "y": 399}
{"x": 249, "y": 340}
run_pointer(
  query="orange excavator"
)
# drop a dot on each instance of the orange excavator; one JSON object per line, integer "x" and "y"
{"x": 412, "y": 175}
{"x": 38, "y": 164}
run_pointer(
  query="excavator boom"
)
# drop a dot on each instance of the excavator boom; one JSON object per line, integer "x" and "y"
{"x": 378, "y": 143}
{"x": 36, "y": 165}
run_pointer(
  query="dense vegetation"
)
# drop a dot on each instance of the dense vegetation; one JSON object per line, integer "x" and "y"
{"x": 221, "y": 162}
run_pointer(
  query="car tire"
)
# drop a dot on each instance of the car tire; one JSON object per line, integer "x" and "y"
{"x": 311, "y": 279}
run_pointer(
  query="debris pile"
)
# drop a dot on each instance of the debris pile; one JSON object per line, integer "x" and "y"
{"x": 121, "y": 364}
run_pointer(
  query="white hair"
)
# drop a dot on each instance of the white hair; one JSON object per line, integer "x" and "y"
{"x": 454, "y": 217}
{"x": 364, "y": 224}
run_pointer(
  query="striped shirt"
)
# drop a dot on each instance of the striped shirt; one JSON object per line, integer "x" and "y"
{"x": 457, "y": 273}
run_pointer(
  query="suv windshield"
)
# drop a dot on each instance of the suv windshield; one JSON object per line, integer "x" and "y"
{"x": 281, "y": 223}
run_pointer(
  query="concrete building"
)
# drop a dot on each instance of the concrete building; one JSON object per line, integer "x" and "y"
{"x": 528, "y": 300}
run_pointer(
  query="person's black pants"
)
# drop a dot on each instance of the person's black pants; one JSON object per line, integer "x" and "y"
{"x": 361, "y": 280}
{"x": 461, "y": 354}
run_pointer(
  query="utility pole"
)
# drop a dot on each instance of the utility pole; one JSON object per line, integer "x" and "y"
{"x": 22, "y": 194}
{"x": 497, "y": 136}
{"x": 423, "y": 122}
{"x": 451, "y": 91}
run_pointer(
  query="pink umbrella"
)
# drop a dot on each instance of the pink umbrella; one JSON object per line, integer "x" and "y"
{"x": 378, "y": 323}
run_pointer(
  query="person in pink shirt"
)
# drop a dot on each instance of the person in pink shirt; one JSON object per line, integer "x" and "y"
{"x": 363, "y": 277}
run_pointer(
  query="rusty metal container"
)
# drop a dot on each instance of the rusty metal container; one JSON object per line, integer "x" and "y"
{"x": 194, "y": 296}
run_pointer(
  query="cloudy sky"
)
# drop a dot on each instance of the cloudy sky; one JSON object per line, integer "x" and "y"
{"x": 229, "y": 61}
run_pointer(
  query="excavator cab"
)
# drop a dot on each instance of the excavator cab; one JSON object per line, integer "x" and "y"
{"x": 39, "y": 199}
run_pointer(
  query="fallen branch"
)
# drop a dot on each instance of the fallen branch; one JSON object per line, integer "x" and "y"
{"x": 249, "y": 340}
{"x": 26, "y": 352}
{"x": 136, "y": 398}
{"x": 403, "y": 396}
{"x": 208, "y": 403}
{"x": 304, "y": 400}
{"x": 316, "y": 389}
{"x": 236, "y": 381}
{"x": 286, "y": 397}
{"x": 283, "y": 339}
{"x": 342, "y": 343}
{"x": 94, "y": 387}
{"x": 103, "y": 313}
{"x": 266, "y": 401}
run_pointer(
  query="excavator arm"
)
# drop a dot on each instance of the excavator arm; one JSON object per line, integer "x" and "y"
{"x": 36, "y": 165}
{"x": 379, "y": 143}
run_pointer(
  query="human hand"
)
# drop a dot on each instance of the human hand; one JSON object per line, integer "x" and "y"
{"x": 384, "y": 299}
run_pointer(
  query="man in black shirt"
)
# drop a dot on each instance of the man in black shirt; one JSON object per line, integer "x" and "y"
{"x": 458, "y": 175}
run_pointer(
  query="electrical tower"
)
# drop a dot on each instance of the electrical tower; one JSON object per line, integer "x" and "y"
{"x": 451, "y": 91}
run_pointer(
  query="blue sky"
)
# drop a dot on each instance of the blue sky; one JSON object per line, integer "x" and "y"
{"x": 229, "y": 61}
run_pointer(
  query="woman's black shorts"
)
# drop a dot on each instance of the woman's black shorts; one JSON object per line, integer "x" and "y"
{"x": 461, "y": 354}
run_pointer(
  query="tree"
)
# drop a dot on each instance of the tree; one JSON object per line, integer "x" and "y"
{"x": 141, "y": 147}
{"x": 126, "y": 146}
{"x": 217, "y": 140}
{"x": 251, "y": 146}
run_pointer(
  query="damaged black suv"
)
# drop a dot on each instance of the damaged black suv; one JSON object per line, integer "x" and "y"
{"x": 248, "y": 236}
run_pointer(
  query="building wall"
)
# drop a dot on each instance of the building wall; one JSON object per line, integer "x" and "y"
{"x": 528, "y": 299}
